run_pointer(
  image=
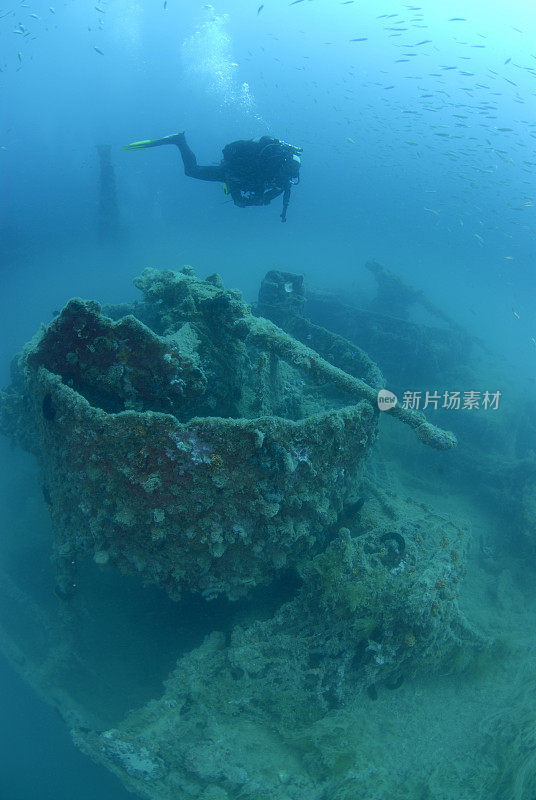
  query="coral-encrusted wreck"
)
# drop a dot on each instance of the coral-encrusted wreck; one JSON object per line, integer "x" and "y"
{"x": 180, "y": 444}
{"x": 184, "y": 440}
{"x": 177, "y": 450}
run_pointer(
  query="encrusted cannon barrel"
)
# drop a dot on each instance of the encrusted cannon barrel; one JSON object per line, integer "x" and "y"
{"x": 266, "y": 334}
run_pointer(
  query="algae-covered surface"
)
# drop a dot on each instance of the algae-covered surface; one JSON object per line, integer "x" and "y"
{"x": 234, "y": 580}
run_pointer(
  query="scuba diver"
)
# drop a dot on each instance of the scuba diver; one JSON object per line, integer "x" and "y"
{"x": 253, "y": 171}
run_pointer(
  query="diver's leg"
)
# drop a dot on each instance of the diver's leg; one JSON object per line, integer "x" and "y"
{"x": 191, "y": 167}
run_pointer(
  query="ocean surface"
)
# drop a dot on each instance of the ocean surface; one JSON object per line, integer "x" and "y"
{"x": 417, "y": 139}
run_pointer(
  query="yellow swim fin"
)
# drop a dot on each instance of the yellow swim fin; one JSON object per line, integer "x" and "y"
{"x": 138, "y": 145}
{"x": 175, "y": 138}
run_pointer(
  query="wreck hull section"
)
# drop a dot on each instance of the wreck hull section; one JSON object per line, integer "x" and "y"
{"x": 213, "y": 505}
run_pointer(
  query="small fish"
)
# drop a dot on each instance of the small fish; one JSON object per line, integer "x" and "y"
{"x": 165, "y": 5}
{"x": 431, "y": 211}
{"x": 425, "y": 41}
{"x": 507, "y": 60}
{"x": 259, "y": 9}
{"x": 480, "y": 239}
{"x": 457, "y": 19}
{"x": 98, "y": 50}
{"x": 508, "y": 258}
{"x": 295, "y": 2}
{"x": 352, "y": 141}
{"x": 51, "y": 10}
{"x": 533, "y": 340}
{"x": 514, "y": 312}
{"x": 362, "y": 39}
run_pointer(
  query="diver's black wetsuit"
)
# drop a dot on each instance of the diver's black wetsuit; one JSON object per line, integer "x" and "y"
{"x": 255, "y": 171}
{"x": 192, "y": 168}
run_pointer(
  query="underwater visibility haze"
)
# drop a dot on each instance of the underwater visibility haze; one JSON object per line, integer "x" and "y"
{"x": 268, "y": 484}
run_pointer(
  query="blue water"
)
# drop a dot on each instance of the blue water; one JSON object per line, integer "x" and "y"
{"x": 419, "y": 150}
{"x": 38, "y": 758}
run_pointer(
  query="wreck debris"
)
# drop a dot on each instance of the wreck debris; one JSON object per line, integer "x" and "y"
{"x": 395, "y": 297}
{"x": 357, "y": 625}
{"x": 184, "y": 440}
{"x": 282, "y": 299}
{"x": 156, "y": 457}
{"x": 388, "y": 328}
{"x": 156, "y": 463}
{"x": 265, "y": 334}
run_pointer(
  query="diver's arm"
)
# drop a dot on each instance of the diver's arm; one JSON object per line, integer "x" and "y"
{"x": 286, "y": 201}
{"x": 270, "y": 194}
